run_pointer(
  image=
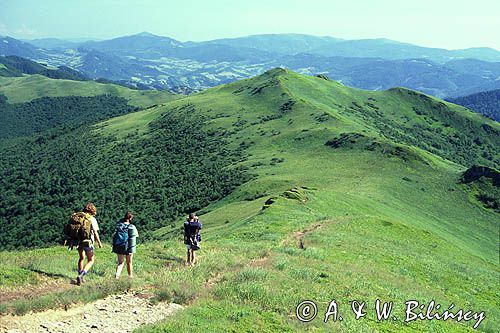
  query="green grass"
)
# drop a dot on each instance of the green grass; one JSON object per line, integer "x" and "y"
{"x": 391, "y": 222}
{"x": 121, "y": 126}
{"x": 13, "y": 275}
{"x": 29, "y": 87}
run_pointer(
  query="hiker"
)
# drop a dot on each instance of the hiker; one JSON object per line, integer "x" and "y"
{"x": 124, "y": 243}
{"x": 192, "y": 237}
{"x": 86, "y": 244}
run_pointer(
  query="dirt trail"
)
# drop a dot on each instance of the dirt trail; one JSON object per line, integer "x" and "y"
{"x": 115, "y": 313}
{"x": 298, "y": 236}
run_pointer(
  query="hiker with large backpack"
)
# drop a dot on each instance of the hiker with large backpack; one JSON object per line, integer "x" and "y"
{"x": 192, "y": 237}
{"x": 82, "y": 231}
{"x": 124, "y": 244}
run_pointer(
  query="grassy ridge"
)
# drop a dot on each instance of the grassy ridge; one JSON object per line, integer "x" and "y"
{"x": 409, "y": 201}
{"x": 27, "y": 88}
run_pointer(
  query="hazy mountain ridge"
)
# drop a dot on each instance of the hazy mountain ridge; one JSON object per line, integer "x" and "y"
{"x": 17, "y": 66}
{"x": 376, "y": 64}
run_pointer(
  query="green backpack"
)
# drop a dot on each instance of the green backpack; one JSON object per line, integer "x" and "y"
{"x": 78, "y": 229}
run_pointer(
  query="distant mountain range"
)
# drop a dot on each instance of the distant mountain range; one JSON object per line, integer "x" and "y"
{"x": 147, "y": 60}
{"x": 13, "y": 66}
{"x": 291, "y": 44}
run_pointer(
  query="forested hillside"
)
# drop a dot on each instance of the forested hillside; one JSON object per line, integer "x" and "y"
{"x": 177, "y": 167}
{"x": 49, "y": 152}
{"x": 24, "y": 119}
{"x": 487, "y": 103}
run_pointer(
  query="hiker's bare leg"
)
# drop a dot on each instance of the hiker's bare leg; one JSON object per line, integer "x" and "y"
{"x": 119, "y": 267}
{"x": 188, "y": 261}
{"x": 81, "y": 258}
{"x": 130, "y": 269}
{"x": 193, "y": 257}
{"x": 90, "y": 260}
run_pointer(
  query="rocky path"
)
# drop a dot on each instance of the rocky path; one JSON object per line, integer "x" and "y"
{"x": 115, "y": 313}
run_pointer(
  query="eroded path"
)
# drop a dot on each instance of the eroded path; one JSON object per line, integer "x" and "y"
{"x": 115, "y": 313}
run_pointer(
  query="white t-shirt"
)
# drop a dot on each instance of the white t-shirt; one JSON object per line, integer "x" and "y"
{"x": 94, "y": 227}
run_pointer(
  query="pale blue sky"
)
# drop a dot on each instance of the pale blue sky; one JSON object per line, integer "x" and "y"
{"x": 437, "y": 23}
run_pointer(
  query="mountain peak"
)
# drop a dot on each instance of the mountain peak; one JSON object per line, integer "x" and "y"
{"x": 278, "y": 71}
{"x": 145, "y": 34}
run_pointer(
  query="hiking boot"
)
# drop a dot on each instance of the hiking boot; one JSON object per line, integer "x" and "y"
{"x": 79, "y": 279}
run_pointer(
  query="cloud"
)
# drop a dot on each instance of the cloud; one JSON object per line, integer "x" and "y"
{"x": 24, "y": 30}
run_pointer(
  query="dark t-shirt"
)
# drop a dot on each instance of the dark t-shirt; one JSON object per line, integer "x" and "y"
{"x": 191, "y": 229}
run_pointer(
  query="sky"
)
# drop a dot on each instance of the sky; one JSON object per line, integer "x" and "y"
{"x": 449, "y": 24}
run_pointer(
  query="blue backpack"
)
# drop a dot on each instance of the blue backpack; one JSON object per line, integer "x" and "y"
{"x": 120, "y": 238}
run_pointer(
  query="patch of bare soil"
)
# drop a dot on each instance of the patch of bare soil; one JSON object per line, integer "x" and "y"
{"x": 115, "y": 313}
{"x": 46, "y": 286}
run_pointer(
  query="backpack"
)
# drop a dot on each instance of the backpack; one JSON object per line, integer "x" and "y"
{"x": 121, "y": 238}
{"x": 78, "y": 229}
{"x": 194, "y": 240}
{"x": 195, "y": 245}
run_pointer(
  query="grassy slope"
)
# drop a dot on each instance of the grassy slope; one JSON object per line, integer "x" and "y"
{"x": 369, "y": 233}
{"x": 27, "y": 88}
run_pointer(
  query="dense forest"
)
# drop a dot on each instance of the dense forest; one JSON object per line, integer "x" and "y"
{"x": 159, "y": 175}
{"x": 23, "y": 119}
{"x": 487, "y": 103}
